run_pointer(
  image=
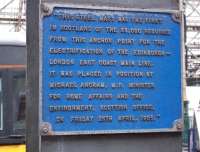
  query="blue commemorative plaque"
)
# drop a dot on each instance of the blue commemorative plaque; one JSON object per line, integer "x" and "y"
{"x": 106, "y": 71}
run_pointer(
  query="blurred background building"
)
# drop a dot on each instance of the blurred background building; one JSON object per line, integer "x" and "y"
{"x": 12, "y": 21}
{"x": 192, "y": 16}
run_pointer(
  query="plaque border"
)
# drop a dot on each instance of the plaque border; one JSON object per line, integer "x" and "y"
{"x": 46, "y": 9}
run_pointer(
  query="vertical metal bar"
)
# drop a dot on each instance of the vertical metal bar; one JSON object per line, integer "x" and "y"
{"x": 32, "y": 113}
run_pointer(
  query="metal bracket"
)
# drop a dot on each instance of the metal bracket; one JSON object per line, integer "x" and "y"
{"x": 46, "y": 9}
{"x": 178, "y": 125}
{"x": 176, "y": 17}
{"x": 46, "y": 129}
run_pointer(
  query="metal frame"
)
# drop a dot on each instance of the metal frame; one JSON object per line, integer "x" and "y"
{"x": 7, "y": 116}
{"x": 20, "y": 73}
{"x": 8, "y": 135}
{"x": 46, "y": 10}
{"x": 2, "y": 131}
{"x": 1, "y": 104}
